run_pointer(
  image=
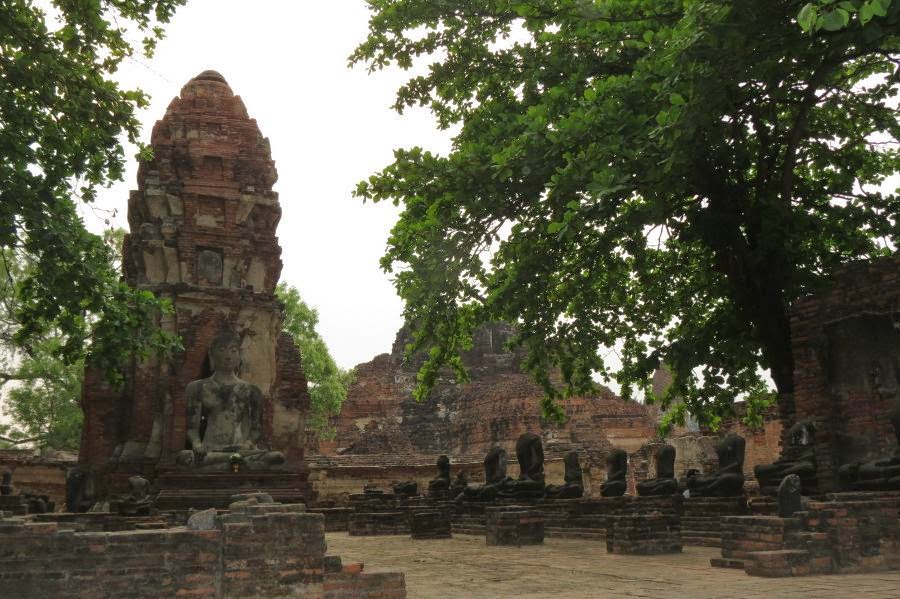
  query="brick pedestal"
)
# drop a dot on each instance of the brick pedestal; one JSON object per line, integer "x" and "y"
{"x": 510, "y": 526}
{"x": 337, "y": 519}
{"x": 851, "y": 534}
{"x": 365, "y": 524}
{"x": 742, "y": 535}
{"x": 643, "y": 534}
{"x": 264, "y": 550}
{"x": 701, "y": 520}
{"x": 14, "y": 504}
{"x": 430, "y": 525}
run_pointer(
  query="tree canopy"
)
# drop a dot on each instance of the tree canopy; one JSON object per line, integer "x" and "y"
{"x": 62, "y": 118}
{"x": 659, "y": 179}
{"x": 327, "y": 382}
{"x": 39, "y": 392}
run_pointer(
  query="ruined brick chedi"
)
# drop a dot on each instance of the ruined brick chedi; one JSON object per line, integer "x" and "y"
{"x": 499, "y": 403}
{"x": 202, "y": 236}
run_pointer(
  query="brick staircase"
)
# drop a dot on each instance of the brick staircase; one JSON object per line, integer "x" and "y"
{"x": 701, "y": 520}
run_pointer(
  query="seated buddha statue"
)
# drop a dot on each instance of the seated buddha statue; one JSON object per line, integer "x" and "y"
{"x": 728, "y": 479}
{"x": 530, "y": 484}
{"x": 616, "y": 471}
{"x": 440, "y": 485}
{"x": 459, "y": 483}
{"x": 495, "y": 478}
{"x": 664, "y": 483}
{"x": 799, "y": 458}
{"x": 231, "y": 410}
{"x": 882, "y": 474}
{"x": 574, "y": 479}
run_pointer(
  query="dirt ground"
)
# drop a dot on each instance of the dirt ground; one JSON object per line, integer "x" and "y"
{"x": 464, "y": 567}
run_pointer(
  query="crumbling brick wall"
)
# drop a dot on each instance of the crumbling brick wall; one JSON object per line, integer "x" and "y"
{"x": 846, "y": 348}
{"x": 270, "y": 550}
{"x": 36, "y": 475}
{"x": 495, "y": 407}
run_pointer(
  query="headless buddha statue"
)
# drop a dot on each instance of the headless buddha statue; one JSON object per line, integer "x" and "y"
{"x": 878, "y": 475}
{"x": 616, "y": 470}
{"x": 798, "y": 458}
{"x": 440, "y": 485}
{"x": 574, "y": 479}
{"x": 232, "y": 412}
{"x": 664, "y": 483}
{"x": 459, "y": 483}
{"x": 728, "y": 480}
{"x": 530, "y": 454}
{"x": 495, "y": 478}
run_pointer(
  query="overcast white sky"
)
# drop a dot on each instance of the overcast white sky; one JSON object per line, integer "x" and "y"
{"x": 329, "y": 127}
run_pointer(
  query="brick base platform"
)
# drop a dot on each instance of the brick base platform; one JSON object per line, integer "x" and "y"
{"x": 570, "y": 518}
{"x": 701, "y": 519}
{"x": 643, "y": 534}
{"x": 264, "y": 550}
{"x": 200, "y": 491}
{"x": 379, "y": 523}
{"x": 743, "y": 535}
{"x": 848, "y": 533}
{"x": 14, "y": 504}
{"x": 337, "y": 519}
{"x": 513, "y": 525}
{"x": 430, "y": 525}
{"x": 107, "y": 521}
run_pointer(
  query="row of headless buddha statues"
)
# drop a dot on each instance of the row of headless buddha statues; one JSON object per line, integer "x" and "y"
{"x": 498, "y": 485}
{"x": 726, "y": 481}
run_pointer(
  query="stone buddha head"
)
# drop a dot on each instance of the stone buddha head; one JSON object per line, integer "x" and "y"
{"x": 225, "y": 353}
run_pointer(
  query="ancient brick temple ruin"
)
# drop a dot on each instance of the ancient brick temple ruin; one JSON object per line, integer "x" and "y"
{"x": 846, "y": 346}
{"x": 495, "y": 407}
{"x": 202, "y": 223}
{"x": 219, "y": 425}
{"x": 383, "y": 434}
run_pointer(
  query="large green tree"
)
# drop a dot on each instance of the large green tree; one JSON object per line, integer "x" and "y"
{"x": 39, "y": 391}
{"x": 328, "y": 383}
{"x": 657, "y": 178}
{"x": 62, "y": 120}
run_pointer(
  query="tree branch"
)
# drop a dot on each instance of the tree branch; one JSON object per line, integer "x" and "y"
{"x": 6, "y": 377}
{"x": 19, "y": 441}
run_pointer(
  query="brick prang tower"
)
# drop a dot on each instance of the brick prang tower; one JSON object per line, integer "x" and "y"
{"x": 203, "y": 223}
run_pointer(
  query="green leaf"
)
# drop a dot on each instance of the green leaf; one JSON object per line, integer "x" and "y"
{"x": 835, "y": 20}
{"x": 807, "y": 17}
{"x": 555, "y": 227}
{"x": 866, "y": 12}
{"x": 676, "y": 99}
{"x": 880, "y": 7}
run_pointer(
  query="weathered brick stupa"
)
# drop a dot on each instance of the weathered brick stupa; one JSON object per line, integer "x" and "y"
{"x": 383, "y": 435}
{"x": 202, "y": 223}
{"x": 498, "y": 404}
